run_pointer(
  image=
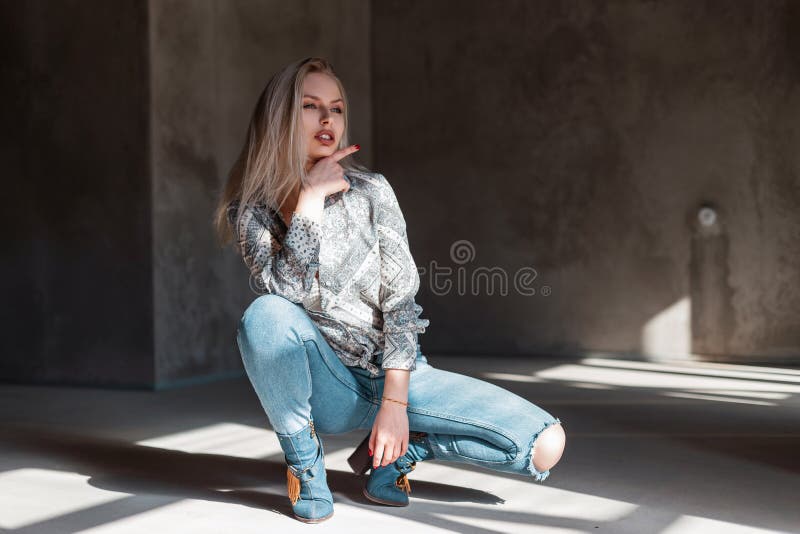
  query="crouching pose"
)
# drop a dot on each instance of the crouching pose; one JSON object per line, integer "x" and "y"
{"x": 330, "y": 344}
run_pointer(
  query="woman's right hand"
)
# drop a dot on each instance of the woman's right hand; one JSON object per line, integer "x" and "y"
{"x": 326, "y": 177}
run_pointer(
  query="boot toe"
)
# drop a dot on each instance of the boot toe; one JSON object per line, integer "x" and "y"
{"x": 313, "y": 511}
{"x": 381, "y": 487}
{"x": 389, "y": 484}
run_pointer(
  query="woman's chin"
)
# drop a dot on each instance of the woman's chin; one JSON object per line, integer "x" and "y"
{"x": 323, "y": 152}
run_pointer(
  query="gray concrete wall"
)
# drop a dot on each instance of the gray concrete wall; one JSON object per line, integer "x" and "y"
{"x": 576, "y": 140}
{"x": 210, "y": 60}
{"x": 580, "y": 139}
{"x": 76, "y": 275}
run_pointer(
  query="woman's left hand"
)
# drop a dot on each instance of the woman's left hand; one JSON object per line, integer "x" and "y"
{"x": 389, "y": 438}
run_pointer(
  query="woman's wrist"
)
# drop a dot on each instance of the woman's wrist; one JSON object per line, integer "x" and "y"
{"x": 394, "y": 402}
{"x": 395, "y": 391}
{"x": 311, "y": 204}
{"x": 311, "y": 193}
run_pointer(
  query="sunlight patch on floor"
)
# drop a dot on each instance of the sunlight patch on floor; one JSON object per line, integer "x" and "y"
{"x": 638, "y": 375}
{"x": 687, "y": 380}
{"x": 496, "y": 525}
{"x": 692, "y": 523}
{"x": 513, "y": 377}
{"x": 694, "y": 368}
{"x": 681, "y": 395}
{"x": 229, "y": 439}
{"x": 23, "y": 491}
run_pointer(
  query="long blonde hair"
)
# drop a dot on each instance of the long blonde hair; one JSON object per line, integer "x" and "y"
{"x": 272, "y": 160}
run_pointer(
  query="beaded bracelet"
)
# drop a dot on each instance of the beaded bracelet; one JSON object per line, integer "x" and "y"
{"x": 397, "y": 401}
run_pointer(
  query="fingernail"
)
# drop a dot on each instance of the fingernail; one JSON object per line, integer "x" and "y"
{"x": 370, "y": 452}
{"x": 357, "y": 146}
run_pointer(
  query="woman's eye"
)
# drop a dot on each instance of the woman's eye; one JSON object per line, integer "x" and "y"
{"x": 313, "y": 105}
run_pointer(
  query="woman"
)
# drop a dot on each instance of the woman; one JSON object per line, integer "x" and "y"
{"x": 330, "y": 345}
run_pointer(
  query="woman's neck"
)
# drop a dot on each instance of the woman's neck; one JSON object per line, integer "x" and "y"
{"x": 290, "y": 203}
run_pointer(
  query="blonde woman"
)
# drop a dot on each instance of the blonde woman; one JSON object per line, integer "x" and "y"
{"x": 330, "y": 344}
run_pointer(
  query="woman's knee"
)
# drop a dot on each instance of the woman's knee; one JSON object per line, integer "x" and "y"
{"x": 274, "y": 310}
{"x": 267, "y": 305}
{"x": 271, "y": 318}
{"x": 548, "y": 447}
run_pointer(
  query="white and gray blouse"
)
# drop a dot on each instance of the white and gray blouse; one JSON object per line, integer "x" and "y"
{"x": 363, "y": 298}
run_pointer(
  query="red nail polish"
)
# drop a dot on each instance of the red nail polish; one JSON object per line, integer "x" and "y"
{"x": 370, "y": 452}
{"x": 357, "y": 147}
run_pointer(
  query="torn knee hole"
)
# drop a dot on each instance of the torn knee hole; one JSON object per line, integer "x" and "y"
{"x": 547, "y": 447}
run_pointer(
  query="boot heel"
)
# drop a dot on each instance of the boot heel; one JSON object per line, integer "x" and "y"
{"x": 360, "y": 461}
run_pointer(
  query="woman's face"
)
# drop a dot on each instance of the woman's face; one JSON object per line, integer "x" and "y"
{"x": 323, "y": 112}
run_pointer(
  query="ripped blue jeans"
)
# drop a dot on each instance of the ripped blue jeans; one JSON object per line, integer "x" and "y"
{"x": 298, "y": 377}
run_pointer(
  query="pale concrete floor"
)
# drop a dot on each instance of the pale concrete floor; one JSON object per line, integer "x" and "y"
{"x": 661, "y": 448}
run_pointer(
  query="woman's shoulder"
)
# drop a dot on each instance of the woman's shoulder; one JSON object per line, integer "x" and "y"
{"x": 372, "y": 183}
{"x": 255, "y": 212}
{"x": 381, "y": 195}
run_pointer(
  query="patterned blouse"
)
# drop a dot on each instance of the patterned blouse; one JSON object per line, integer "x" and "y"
{"x": 353, "y": 273}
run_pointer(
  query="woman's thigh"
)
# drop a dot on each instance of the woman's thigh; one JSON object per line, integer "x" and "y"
{"x": 291, "y": 366}
{"x": 339, "y": 404}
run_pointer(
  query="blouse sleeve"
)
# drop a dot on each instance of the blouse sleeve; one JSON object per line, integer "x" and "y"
{"x": 284, "y": 268}
{"x": 399, "y": 285}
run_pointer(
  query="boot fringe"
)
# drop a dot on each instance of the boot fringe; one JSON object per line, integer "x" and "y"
{"x": 292, "y": 486}
{"x": 403, "y": 484}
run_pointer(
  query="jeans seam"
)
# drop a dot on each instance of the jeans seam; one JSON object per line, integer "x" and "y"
{"x": 373, "y": 404}
{"x": 333, "y": 371}
{"x": 367, "y": 416}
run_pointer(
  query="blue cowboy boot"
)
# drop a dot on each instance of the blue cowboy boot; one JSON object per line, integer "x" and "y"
{"x": 306, "y": 482}
{"x": 389, "y": 484}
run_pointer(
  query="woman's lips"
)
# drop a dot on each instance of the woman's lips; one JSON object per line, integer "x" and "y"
{"x": 326, "y": 142}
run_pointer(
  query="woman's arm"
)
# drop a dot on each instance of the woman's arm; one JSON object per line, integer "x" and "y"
{"x": 401, "y": 326}
{"x": 399, "y": 285}
{"x": 285, "y": 268}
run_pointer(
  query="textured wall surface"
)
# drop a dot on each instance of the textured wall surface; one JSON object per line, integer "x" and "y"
{"x": 77, "y": 250}
{"x": 580, "y": 139}
{"x": 210, "y": 62}
{"x": 560, "y": 147}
